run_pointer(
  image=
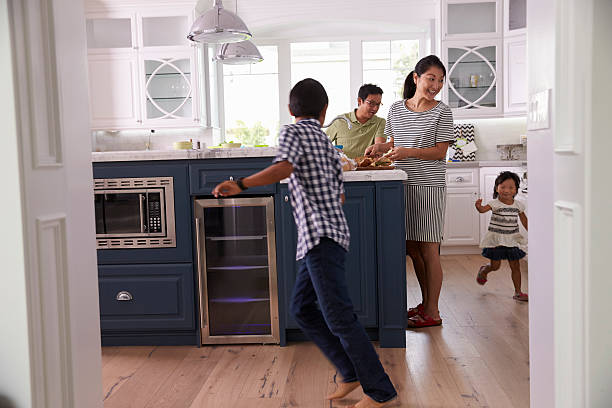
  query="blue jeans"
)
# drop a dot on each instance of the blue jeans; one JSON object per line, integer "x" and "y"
{"x": 333, "y": 326}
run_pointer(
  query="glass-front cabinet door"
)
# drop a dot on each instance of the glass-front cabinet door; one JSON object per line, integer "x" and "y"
{"x": 168, "y": 88}
{"x": 236, "y": 249}
{"x": 473, "y": 78}
{"x": 515, "y": 17}
{"x": 471, "y": 19}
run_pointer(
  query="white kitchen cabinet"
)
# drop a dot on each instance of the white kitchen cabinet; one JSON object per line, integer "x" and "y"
{"x": 114, "y": 105}
{"x": 142, "y": 69}
{"x": 515, "y": 68}
{"x": 461, "y": 220}
{"x": 473, "y": 77}
{"x": 471, "y": 19}
{"x": 515, "y": 17}
{"x": 487, "y": 184}
{"x": 484, "y": 50}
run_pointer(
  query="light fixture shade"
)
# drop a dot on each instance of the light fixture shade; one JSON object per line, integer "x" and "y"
{"x": 244, "y": 52}
{"x": 218, "y": 26}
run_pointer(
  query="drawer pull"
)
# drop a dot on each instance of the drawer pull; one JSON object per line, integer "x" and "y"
{"x": 286, "y": 198}
{"x": 231, "y": 178}
{"x": 124, "y": 296}
{"x": 459, "y": 179}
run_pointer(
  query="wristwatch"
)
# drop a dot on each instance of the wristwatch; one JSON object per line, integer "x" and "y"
{"x": 241, "y": 184}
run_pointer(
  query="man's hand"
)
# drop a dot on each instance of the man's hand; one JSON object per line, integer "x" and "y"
{"x": 226, "y": 189}
{"x": 376, "y": 150}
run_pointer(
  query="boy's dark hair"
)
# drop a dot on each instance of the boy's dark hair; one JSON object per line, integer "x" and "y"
{"x": 368, "y": 89}
{"x": 421, "y": 67}
{"x": 503, "y": 176}
{"x": 307, "y": 98}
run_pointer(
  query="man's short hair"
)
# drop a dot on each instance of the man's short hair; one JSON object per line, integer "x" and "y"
{"x": 369, "y": 89}
{"x": 307, "y": 98}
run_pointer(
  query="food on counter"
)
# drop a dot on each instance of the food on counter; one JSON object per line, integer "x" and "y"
{"x": 373, "y": 162}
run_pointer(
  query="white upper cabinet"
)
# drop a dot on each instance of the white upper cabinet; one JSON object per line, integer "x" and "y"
{"x": 486, "y": 60}
{"x": 473, "y": 77}
{"x": 515, "y": 17}
{"x": 142, "y": 69}
{"x": 471, "y": 19}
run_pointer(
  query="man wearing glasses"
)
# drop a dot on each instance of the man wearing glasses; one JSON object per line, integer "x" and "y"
{"x": 366, "y": 128}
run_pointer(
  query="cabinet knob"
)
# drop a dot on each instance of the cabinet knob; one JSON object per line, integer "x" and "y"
{"x": 124, "y": 296}
{"x": 286, "y": 198}
{"x": 231, "y": 178}
{"x": 139, "y": 121}
{"x": 459, "y": 179}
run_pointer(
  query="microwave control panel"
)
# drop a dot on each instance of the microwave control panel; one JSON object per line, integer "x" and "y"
{"x": 155, "y": 218}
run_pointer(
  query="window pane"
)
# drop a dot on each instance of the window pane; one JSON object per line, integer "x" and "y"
{"x": 386, "y": 64}
{"x": 251, "y": 100}
{"x": 328, "y": 63}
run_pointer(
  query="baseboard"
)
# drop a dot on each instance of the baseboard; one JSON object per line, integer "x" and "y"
{"x": 460, "y": 250}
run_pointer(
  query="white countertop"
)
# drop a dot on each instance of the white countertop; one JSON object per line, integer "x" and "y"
{"x": 140, "y": 155}
{"x": 369, "y": 175}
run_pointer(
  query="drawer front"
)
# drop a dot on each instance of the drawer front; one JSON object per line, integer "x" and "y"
{"x": 462, "y": 178}
{"x": 146, "y": 297}
{"x": 204, "y": 177}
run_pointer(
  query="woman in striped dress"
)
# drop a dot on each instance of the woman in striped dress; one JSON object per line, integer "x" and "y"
{"x": 419, "y": 129}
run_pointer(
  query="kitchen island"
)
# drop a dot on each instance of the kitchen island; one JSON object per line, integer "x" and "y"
{"x": 375, "y": 263}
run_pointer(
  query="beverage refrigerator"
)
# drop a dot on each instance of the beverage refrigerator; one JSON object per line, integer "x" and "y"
{"x": 236, "y": 251}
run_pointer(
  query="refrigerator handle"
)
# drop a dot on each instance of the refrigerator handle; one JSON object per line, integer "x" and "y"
{"x": 200, "y": 272}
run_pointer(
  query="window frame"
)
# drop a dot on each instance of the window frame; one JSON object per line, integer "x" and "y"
{"x": 283, "y": 45}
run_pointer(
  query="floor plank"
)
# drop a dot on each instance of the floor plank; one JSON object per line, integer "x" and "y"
{"x": 478, "y": 358}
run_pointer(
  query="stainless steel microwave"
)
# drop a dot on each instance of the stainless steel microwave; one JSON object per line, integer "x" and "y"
{"x": 134, "y": 212}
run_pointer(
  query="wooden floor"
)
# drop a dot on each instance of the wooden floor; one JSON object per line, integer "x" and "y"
{"x": 478, "y": 358}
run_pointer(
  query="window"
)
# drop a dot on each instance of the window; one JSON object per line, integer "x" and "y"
{"x": 386, "y": 64}
{"x": 250, "y": 94}
{"x": 328, "y": 63}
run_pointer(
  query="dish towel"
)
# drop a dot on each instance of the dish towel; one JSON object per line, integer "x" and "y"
{"x": 464, "y": 147}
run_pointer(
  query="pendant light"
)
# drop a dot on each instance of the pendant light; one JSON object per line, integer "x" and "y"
{"x": 244, "y": 52}
{"x": 219, "y": 26}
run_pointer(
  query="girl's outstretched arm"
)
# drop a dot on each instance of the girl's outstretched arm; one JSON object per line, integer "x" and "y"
{"x": 482, "y": 208}
{"x": 523, "y": 219}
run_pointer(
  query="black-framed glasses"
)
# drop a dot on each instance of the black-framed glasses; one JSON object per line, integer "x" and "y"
{"x": 373, "y": 104}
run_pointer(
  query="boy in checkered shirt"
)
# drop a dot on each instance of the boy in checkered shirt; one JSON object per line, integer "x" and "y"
{"x": 311, "y": 162}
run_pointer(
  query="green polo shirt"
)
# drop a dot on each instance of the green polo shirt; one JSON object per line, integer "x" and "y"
{"x": 356, "y": 139}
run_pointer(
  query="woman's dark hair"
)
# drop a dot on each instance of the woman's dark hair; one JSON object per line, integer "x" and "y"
{"x": 503, "y": 176}
{"x": 369, "y": 89}
{"x": 307, "y": 98}
{"x": 421, "y": 67}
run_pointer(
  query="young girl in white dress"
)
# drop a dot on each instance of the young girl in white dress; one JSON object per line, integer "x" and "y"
{"x": 503, "y": 239}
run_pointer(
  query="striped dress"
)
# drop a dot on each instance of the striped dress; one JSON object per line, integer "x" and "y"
{"x": 426, "y": 182}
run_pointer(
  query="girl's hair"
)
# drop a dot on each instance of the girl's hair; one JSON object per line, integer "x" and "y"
{"x": 503, "y": 176}
{"x": 421, "y": 67}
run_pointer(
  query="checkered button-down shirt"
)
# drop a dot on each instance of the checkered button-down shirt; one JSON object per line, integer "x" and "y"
{"x": 315, "y": 185}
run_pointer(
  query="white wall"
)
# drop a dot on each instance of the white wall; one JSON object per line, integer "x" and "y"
{"x": 541, "y": 75}
{"x": 599, "y": 241}
{"x": 14, "y": 346}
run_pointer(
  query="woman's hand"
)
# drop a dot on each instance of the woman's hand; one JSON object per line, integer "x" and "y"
{"x": 400, "y": 153}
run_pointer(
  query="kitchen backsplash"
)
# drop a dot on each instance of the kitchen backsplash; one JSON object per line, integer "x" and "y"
{"x": 161, "y": 139}
{"x": 499, "y": 131}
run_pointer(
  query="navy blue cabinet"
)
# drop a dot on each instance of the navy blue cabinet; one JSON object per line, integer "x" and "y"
{"x": 360, "y": 260}
{"x": 206, "y": 174}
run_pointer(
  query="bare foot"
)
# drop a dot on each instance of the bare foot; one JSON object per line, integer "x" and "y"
{"x": 343, "y": 390}
{"x": 367, "y": 402}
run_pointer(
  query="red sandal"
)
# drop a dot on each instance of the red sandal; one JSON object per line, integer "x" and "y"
{"x": 413, "y": 311}
{"x": 422, "y": 320}
{"x": 481, "y": 278}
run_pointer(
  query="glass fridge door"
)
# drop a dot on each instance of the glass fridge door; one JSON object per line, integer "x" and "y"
{"x": 237, "y": 269}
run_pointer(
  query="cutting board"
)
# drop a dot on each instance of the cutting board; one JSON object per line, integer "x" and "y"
{"x": 376, "y": 168}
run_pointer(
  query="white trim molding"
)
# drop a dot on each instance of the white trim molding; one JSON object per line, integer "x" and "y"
{"x": 573, "y": 86}
{"x": 569, "y": 306}
{"x": 38, "y": 83}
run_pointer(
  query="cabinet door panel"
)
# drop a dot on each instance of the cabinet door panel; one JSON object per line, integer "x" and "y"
{"x": 146, "y": 297}
{"x": 360, "y": 261}
{"x": 461, "y": 220}
{"x": 113, "y": 91}
{"x": 515, "y": 66}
